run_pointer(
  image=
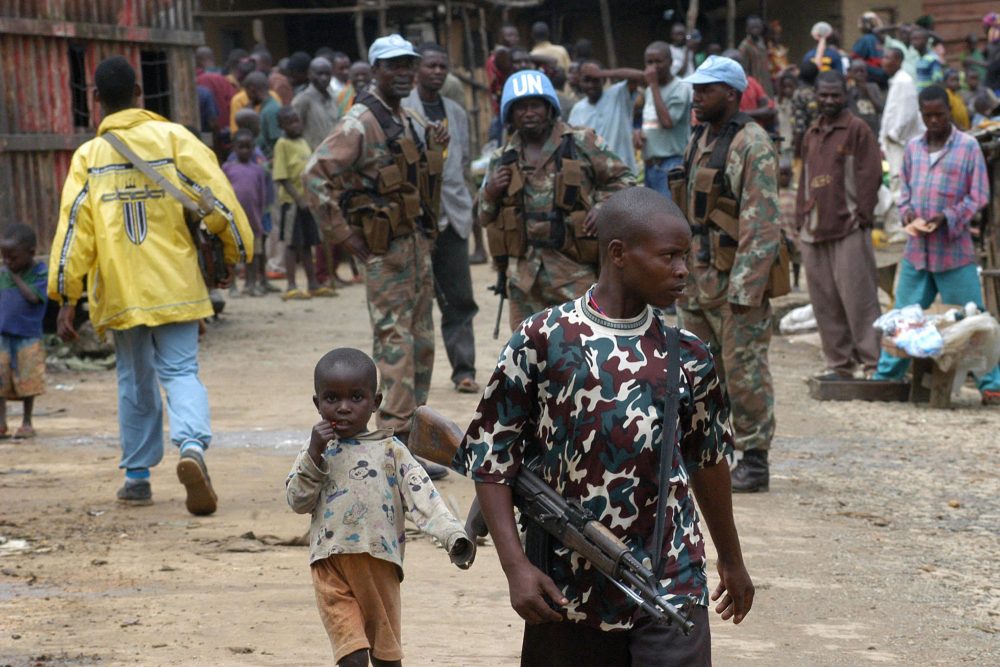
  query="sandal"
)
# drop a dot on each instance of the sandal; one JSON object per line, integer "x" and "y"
{"x": 4, "y": 433}
{"x": 24, "y": 433}
{"x": 467, "y": 386}
{"x": 324, "y": 292}
{"x": 295, "y": 295}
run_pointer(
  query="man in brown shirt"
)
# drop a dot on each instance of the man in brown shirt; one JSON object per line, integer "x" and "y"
{"x": 838, "y": 190}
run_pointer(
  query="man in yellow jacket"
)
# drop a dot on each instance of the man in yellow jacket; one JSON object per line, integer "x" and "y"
{"x": 127, "y": 236}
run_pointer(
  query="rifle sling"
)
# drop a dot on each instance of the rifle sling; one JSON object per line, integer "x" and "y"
{"x": 669, "y": 433}
{"x": 159, "y": 179}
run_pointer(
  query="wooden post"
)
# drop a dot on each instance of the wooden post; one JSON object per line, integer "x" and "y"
{"x": 477, "y": 141}
{"x": 991, "y": 230}
{"x": 445, "y": 39}
{"x": 359, "y": 34}
{"x": 383, "y": 27}
{"x": 731, "y": 24}
{"x": 468, "y": 60}
{"x": 609, "y": 36}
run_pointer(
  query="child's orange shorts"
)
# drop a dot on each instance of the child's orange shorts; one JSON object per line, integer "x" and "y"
{"x": 359, "y": 604}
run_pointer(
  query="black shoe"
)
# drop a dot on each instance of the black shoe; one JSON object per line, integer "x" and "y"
{"x": 478, "y": 257}
{"x": 136, "y": 494}
{"x": 433, "y": 470}
{"x": 751, "y": 474}
{"x": 192, "y": 473}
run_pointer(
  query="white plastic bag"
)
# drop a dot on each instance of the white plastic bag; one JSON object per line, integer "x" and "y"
{"x": 798, "y": 320}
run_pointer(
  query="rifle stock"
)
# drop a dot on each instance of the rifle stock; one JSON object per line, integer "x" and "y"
{"x": 433, "y": 436}
{"x": 436, "y": 438}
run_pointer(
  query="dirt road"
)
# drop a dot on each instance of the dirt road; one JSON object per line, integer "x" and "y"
{"x": 878, "y": 543}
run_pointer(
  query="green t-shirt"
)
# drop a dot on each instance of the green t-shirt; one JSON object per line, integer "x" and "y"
{"x": 660, "y": 141}
{"x": 290, "y": 157}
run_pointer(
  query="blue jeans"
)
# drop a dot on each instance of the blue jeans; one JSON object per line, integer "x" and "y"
{"x": 168, "y": 353}
{"x": 656, "y": 174}
{"x": 957, "y": 286}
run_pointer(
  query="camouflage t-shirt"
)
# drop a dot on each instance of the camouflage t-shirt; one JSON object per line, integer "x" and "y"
{"x": 581, "y": 399}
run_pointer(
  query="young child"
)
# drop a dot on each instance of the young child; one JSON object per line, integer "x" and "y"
{"x": 786, "y": 201}
{"x": 250, "y": 183}
{"x": 357, "y": 484}
{"x": 298, "y": 228}
{"x": 579, "y": 395}
{"x": 23, "y": 287}
{"x": 248, "y": 119}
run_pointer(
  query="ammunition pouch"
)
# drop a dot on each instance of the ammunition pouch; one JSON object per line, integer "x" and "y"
{"x": 712, "y": 209}
{"x": 546, "y": 230}
{"x": 779, "y": 281}
{"x": 430, "y": 188}
{"x": 568, "y": 184}
{"x": 724, "y": 229}
{"x": 378, "y": 217}
{"x": 408, "y": 185}
{"x": 677, "y": 182}
{"x": 506, "y": 234}
{"x": 561, "y": 229}
{"x": 585, "y": 249}
{"x": 715, "y": 220}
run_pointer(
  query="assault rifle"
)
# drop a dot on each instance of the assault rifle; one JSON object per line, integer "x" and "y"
{"x": 437, "y": 438}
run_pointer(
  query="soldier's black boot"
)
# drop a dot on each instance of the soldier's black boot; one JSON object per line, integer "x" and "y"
{"x": 751, "y": 474}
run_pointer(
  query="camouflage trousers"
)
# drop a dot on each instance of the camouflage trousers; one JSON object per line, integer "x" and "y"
{"x": 548, "y": 289}
{"x": 400, "y": 289}
{"x": 739, "y": 344}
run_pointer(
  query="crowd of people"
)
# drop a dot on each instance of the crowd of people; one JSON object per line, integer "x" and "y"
{"x": 752, "y": 165}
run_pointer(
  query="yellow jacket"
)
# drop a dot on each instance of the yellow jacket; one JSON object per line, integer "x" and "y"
{"x": 129, "y": 237}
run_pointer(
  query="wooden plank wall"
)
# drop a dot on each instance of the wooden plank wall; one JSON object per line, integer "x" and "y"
{"x": 954, "y": 19}
{"x": 37, "y": 130}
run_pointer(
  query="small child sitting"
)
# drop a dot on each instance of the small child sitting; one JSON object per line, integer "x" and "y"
{"x": 357, "y": 484}
{"x": 250, "y": 183}
{"x": 23, "y": 287}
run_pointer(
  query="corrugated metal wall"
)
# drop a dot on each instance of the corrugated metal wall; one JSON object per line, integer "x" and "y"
{"x": 51, "y": 48}
{"x": 162, "y": 14}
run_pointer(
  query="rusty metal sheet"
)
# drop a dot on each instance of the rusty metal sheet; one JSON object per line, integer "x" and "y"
{"x": 36, "y": 79}
{"x": 163, "y": 14}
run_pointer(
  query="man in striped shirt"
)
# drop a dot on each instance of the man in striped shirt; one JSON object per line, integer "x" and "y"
{"x": 943, "y": 185}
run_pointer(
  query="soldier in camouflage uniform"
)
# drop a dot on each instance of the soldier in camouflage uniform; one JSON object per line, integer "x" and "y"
{"x": 734, "y": 215}
{"x": 356, "y": 159}
{"x": 579, "y": 395}
{"x": 523, "y": 178}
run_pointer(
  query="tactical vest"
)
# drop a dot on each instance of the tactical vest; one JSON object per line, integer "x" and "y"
{"x": 560, "y": 229}
{"x": 715, "y": 214}
{"x": 407, "y": 195}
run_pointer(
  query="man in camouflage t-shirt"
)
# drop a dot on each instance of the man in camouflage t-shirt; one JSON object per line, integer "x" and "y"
{"x": 579, "y": 396}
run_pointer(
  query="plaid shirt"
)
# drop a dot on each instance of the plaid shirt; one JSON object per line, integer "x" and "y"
{"x": 955, "y": 185}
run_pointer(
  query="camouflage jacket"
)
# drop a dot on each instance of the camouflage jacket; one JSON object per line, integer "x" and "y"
{"x": 580, "y": 398}
{"x": 604, "y": 174}
{"x": 752, "y": 177}
{"x": 348, "y": 159}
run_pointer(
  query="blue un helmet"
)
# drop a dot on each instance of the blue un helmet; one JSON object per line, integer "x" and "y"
{"x": 524, "y": 84}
